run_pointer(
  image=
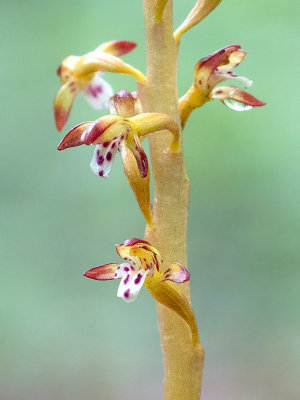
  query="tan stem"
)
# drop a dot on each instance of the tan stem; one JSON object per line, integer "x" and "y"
{"x": 183, "y": 362}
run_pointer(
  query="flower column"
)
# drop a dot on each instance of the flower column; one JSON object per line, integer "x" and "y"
{"x": 183, "y": 362}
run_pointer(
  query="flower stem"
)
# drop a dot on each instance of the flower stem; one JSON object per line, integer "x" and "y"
{"x": 183, "y": 361}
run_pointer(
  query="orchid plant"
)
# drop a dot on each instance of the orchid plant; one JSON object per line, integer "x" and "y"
{"x": 154, "y": 113}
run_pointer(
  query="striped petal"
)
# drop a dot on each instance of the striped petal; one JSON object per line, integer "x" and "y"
{"x": 140, "y": 186}
{"x": 139, "y": 155}
{"x": 103, "y": 272}
{"x": 73, "y": 137}
{"x": 236, "y": 98}
{"x": 176, "y": 273}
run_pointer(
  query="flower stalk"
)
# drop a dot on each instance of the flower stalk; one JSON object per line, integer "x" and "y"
{"x": 183, "y": 361}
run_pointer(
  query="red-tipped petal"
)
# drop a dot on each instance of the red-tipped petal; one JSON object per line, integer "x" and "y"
{"x": 134, "y": 241}
{"x": 63, "y": 103}
{"x": 176, "y": 273}
{"x": 213, "y": 60}
{"x": 73, "y": 137}
{"x": 98, "y": 128}
{"x": 102, "y": 273}
{"x": 117, "y": 47}
{"x": 236, "y": 94}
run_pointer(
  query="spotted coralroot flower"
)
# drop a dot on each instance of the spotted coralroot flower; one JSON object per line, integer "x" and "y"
{"x": 126, "y": 104}
{"x": 109, "y": 132}
{"x": 83, "y": 74}
{"x": 143, "y": 266}
{"x": 209, "y": 72}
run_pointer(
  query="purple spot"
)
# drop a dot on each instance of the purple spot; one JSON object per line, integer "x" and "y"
{"x": 126, "y": 280}
{"x": 101, "y": 173}
{"x": 105, "y": 144}
{"x": 126, "y": 269}
{"x": 94, "y": 90}
{"x": 125, "y": 258}
{"x": 100, "y": 160}
{"x": 137, "y": 279}
{"x": 109, "y": 156}
{"x": 113, "y": 145}
{"x": 131, "y": 267}
{"x": 229, "y": 72}
{"x": 219, "y": 91}
{"x": 126, "y": 293}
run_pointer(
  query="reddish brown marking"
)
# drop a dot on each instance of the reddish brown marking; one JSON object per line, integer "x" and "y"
{"x": 133, "y": 241}
{"x": 109, "y": 156}
{"x": 106, "y": 144}
{"x": 138, "y": 279}
{"x": 126, "y": 280}
{"x": 126, "y": 293}
{"x": 100, "y": 160}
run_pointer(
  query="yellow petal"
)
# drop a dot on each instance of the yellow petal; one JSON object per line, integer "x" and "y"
{"x": 139, "y": 185}
{"x": 95, "y": 62}
{"x": 63, "y": 103}
{"x": 165, "y": 294}
{"x": 66, "y": 68}
{"x": 199, "y": 12}
{"x": 146, "y": 123}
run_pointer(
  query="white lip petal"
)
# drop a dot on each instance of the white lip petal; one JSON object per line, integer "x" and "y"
{"x": 131, "y": 283}
{"x": 98, "y": 92}
{"x": 103, "y": 158}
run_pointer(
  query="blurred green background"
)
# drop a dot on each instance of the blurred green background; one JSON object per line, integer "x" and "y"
{"x": 66, "y": 337}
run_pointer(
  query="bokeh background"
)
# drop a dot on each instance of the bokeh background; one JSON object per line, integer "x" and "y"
{"x": 66, "y": 337}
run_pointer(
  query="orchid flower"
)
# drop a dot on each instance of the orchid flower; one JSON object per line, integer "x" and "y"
{"x": 108, "y": 132}
{"x": 209, "y": 72}
{"x": 83, "y": 74}
{"x": 112, "y": 134}
{"x": 126, "y": 104}
{"x": 143, "y": 266}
